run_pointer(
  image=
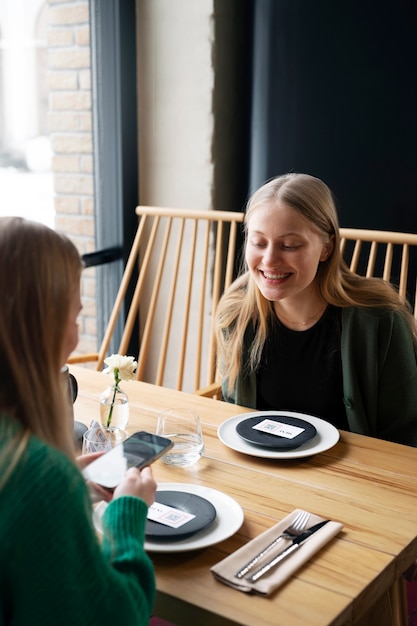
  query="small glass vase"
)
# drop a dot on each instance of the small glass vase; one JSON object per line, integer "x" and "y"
{"x": 119, "y": 414}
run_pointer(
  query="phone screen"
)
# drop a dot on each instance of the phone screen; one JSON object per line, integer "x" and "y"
{"x": 138, "y": 450}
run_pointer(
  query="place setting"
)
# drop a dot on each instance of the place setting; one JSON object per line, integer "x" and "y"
{"x": 278, "y": 434}
{"x": 186, "y": 517}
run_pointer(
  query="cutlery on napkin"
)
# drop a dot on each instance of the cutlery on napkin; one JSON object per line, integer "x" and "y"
{"x": 225, "y": 570}
{"x": 295, "y": 543}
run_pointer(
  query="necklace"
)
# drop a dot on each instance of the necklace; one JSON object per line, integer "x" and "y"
{"x": 306, "y": 321}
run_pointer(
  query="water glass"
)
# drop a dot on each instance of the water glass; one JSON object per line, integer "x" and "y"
{"x": 183, "y": 427}
{"x": 99, "y": 439}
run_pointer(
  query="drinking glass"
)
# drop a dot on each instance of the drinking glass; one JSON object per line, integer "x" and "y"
{"x": 183, "y": 427}
{"x": 98, "y": 439}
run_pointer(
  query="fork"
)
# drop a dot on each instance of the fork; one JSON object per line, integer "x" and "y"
{"x": 297, "y": 526}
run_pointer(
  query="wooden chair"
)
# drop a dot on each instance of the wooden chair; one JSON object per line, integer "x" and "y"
{"x": 389, "y": 255}
{"x": 179, "y": 265}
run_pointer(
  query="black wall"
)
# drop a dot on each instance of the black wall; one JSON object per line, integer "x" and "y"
{"x": 335, "y": 95}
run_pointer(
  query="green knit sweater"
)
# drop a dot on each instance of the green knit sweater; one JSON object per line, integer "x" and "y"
{"x": 53, "y": 570}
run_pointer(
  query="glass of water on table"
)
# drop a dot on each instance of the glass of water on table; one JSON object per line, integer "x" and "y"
{"x": 183, "y": 427}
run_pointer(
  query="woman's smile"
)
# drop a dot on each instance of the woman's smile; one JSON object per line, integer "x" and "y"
{"x": 272, "y": 276}
{"x": 275, "y": 277}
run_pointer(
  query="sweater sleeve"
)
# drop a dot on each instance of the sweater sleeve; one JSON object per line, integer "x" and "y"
{"x": 123, "y": 539}
{"x": 380, "y": 375}
{"x": 397, "y": 419}
{"x": 53, "y": 569}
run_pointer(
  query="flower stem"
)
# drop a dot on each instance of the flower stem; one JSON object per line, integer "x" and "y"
{"x": 116, "y": 384}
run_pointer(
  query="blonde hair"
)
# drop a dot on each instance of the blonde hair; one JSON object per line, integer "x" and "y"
{"x": 40, "y": 272}
{"x": 243, "y": 305}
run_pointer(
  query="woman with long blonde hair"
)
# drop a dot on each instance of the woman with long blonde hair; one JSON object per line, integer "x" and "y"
{"x": 53, "y": 569}
{"x": 299, "y": 331}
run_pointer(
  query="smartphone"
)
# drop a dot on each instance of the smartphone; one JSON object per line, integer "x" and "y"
{"x": 138, "y": 450}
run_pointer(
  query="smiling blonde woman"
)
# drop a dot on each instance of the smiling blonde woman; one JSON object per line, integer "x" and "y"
{"x": 299, "y": 331}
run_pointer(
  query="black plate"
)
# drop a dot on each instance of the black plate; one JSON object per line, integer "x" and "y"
{"x": 245, "y": 429}
{"x": 204, "y": 511}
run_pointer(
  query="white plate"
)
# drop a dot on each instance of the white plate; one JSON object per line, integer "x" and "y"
{"x": 327, "y": 436}
{"x": 229, "y": 518}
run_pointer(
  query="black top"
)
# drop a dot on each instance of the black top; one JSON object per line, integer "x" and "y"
{"x": 302, "y": 370}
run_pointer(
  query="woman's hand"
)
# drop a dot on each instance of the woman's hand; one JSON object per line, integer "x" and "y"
{"x": 139, "y": 483}
{"x": 97, "y": 492}
{"x": 86, "y": 459}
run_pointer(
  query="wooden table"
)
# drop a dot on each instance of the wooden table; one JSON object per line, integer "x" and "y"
{"x": 367, "y": 484}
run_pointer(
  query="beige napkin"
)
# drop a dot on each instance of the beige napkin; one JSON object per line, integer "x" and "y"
{"x": 225, "y": 570}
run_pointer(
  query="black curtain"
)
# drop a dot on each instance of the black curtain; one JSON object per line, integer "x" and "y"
{"x": 335, "y": 96}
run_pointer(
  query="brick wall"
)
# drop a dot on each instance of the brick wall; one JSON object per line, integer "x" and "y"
{"x": 70, "y": 128}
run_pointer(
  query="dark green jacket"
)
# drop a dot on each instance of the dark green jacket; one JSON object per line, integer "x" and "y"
{"x": 379, "y": 375}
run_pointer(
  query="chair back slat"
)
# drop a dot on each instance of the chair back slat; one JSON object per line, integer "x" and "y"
{"x": 372, "y": 259}
{"x": 169, "y": 305}
{"x": 355, "y": 257}
{"x": 120, "y": 297}
{"x": 388, "y": 261}
{"x": 202, "y": 308}
{"x": 404, "y": 272}
{"x": 187, "y": 306}
{"x": 390, "y": 255}
{"x": 137, "y": 296}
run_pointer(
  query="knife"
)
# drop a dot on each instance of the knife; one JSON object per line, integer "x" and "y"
{"x": 296, "y": 542}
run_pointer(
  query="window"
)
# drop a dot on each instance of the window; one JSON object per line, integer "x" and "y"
{"x": 26, "y": 186}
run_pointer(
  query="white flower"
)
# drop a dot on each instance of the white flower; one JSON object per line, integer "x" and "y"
{"x": 121, "y": 367}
